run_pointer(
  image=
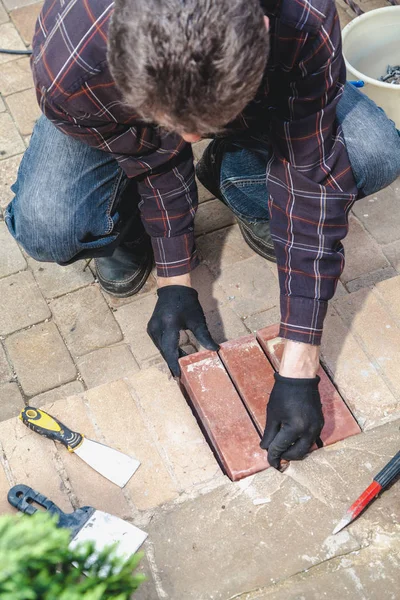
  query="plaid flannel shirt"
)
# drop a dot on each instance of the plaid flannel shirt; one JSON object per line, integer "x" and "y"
{"x": 309, "y": 178}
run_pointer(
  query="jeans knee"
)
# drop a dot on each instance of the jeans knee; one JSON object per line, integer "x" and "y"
{"x": 34, "y": 233}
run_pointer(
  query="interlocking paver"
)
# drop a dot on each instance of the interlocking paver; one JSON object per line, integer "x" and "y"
{"x": 370, "y": 279}
{"x": 250, "y": 285}
{"x": 11, "y": 40}
{"x": 374, "y": 326}
{"x": 389, "y": 291}
{"x": 10, "y": 140}
{"x": 174, "y": 427}
{"x": 28, "y": 463}
{"x": 15, "y": 76}
{"x": 106, "y": 364}
{"x": 11, "y": 401}
{"x": 5, "y": 506}
{"x": 11, "y": 259}
{"x": 392, "y": 253}
{"x": 133, "y": 319}
{"x": 55, "y": 280}
{"x": 363, "y": 254}
{"x": 12, "y": 4}
{"x": 380, "y": 215}
{"x": 24, "y": 19}
{"x": 263, "y": 319}
{"x": 86, "y": 482}
{"x": 203, "y": 194}
{"x": 5, "y": 371}
{"x": 356, "y": 375}
{"x": 198, "y": 149}
{"x": 2, "y": 105}
{"x": 24, "y": 110}
{"x": 85, "y": 320}
{"x": 223, "y": 248}
{"x": 22, "y": 303}
{"x": 128, "y": 431}
{"x": 211, "y": 216}
{"x": 3, "y": 14}
{"x": 64, "y": 391}
{"x": 40, "y": 358}
{"x": 8, "y": 175}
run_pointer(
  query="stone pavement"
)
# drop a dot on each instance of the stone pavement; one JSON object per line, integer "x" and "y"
{"x": 66, "y": 345}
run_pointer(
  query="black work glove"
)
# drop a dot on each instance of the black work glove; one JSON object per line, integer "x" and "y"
{"x": 294, "y": 419}
{"x": 177, "y": 308}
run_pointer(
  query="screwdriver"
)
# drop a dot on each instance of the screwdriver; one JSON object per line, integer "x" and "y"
{"x": 380, "y": 482}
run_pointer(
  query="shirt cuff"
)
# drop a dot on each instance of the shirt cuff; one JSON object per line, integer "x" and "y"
{"x": 175, "y": 255}
{"x": 302, "y": 319}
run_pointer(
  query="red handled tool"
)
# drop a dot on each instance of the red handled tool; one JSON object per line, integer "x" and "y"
{"x": 382, "y": 480}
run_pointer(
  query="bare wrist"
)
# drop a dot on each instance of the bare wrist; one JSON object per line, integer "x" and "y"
{"x": 299, "y": 360}
{"x": 177, "y": 280}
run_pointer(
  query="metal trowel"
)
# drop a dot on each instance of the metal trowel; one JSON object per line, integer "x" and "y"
{"x": 112, "y": 464}
{"x": 86, "y": 523}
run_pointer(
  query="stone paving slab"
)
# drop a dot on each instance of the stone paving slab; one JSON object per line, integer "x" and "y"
{"x": 8, "y": 175}
{"x": 363, "y": 254}
{"x": 106, "y": 364}
{"x": 85, "y": 320}
{"x": 22, "y": 303}
{"x": 5, "y": 371}
{"x": 270, "y": 527}
{"x": 64, "y": 391}
{"x": 24, "y": 110}
{"x": 12, "y": 4}
{"x": 224, "y": 247}
{"x": 380, "y": 215}
{"x": 11, "y": 40}
{"x": 55, "y": 280}
{"x": 3, "y": 14}
{"x": 211, "y": 216}
{"x": 11, "y": 258}
{"x": 15, "y": 76}
{"x": 40, "y": 358}
{"x": 10, "y": 140}
{"x": 11, "y": 401}
{"x": 24, "y": 19}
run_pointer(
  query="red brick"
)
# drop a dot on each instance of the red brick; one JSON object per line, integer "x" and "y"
{"x": 339, "y": 422}
{"x": 251, "y": 373}
{"x": 223, "y": 415}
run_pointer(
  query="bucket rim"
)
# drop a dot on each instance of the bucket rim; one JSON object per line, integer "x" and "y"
{"x": 352, "y": 25}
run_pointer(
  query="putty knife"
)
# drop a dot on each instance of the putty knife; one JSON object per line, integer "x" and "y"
{"x": 112, "y": 464}
{"x": 86, "y": 523}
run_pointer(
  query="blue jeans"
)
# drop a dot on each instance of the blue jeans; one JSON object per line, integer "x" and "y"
{"x": 373, "y": 147}
{"x": 72, "y": 201}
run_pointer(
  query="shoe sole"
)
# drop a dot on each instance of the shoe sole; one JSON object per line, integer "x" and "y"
{"x": 267, "y": 254}
{"x": 132, "y": 291}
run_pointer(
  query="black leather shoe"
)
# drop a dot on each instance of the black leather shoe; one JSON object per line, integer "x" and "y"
{"x": 256, "y": 235}
{"x": 126, "y": 271}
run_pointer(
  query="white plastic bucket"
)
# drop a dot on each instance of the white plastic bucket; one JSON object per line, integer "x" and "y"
{"x": 371, "y": 42}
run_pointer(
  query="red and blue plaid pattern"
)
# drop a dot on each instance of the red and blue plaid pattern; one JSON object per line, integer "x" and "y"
{"x": 309, "y": 178}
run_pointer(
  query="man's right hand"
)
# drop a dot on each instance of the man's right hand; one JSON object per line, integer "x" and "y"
{"x": 294, "y": 419}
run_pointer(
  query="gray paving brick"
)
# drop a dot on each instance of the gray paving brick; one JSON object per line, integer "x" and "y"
{"x": 203, "y": 194}
{"x": 2, "y": 105}
{"x": 106, "y": 364}
{"x": 10, "y": 140}
{"x": 24, "y": 19}
{"x": 11, "y": 258}
{"x": 22, "y": 303}
{"x": 363, "y": 254}
{"x": 15, "y": 76}
{"x": 133, "y": 319}
{"x": 211, "y": 216}
{"x": 12, "y": 4}
{"x": 55, "y": 280}
{"x": 222, "y": 248}
{"x": 5, "y": 371}
{"x": 11, "y": 401}
{"x": 371, "y": 279}
{"x": 149, "y": 288}
{"x": 8, "y": 175}
{"x": 85, "y": 320}
{"x": 11, "y": 40}
{"x": 24, "y": 109}
{"x": 380, "y": 215}
{"x": 263, "y": 319}
{"x": 40, "y": 358}
{"x": 198, "y": 149}
{"x": 3, "y": 14}
{"x": 60, "y": 393}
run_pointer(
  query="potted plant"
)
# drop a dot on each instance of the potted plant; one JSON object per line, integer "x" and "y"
{"x": 36, "y": 563}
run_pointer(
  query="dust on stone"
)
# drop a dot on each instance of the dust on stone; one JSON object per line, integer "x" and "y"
{"x": 392, "y": 75}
